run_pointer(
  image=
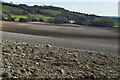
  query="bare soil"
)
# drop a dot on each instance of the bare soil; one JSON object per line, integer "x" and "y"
{"x": 23, "y": 60}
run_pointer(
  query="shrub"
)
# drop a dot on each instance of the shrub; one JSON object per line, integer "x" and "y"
{"x": 3, "y": 18}
{"x": 34, "y": 19}
{"x": 41, "y": 20}
{"x": 23, "y": 20}
{"x": 51, "y": 20}
{"x": 8, "y": 19}
{"x": 12, "y": 19}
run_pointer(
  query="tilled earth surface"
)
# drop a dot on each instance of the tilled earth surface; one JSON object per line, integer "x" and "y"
{"x": 23, "y": 60}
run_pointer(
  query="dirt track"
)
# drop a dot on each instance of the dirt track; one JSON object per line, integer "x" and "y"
{"x": 95, "y": 39}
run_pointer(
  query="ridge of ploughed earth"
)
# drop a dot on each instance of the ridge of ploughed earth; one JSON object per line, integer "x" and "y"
{"x": 23, "y": 60}
{"x": 85, "y": 38}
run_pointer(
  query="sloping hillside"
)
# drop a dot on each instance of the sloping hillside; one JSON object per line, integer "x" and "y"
{"x": 10, "y": 9}
{"x": 52, "y": 14}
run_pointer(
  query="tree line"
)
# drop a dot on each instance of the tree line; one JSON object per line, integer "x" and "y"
{"x": 29, "y": 18}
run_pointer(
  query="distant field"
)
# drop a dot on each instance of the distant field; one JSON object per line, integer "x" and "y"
{"x": 10, "y": 9}
{"x": 45, "y": 18}
{"x": 52, "y": 12}
{"x": 17, "y": 17}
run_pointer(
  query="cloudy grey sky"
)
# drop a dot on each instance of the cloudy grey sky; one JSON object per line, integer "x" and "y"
{"x": 98, "y": 7}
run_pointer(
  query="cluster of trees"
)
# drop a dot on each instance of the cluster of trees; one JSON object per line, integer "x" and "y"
{"x": 9, "y": 17}
{"x": 83, "y": 19}
{"x": 58, "y": 20}
{"x": 102, "y": 23}
{"x": 31, "y": 20}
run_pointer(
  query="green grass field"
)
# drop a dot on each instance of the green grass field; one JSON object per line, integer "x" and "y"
{"x": 52, "y": 12}
{"x": 9, "y": 9}
{"x": 45, "y": 18}
{"x": 17, "y": 17}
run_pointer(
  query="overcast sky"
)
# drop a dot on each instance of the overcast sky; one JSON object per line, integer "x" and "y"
{"x": 98, "y": 7}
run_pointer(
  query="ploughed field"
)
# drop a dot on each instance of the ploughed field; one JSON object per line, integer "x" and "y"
{"x": 52, "y": 30}
{"x": 23, "y": 60}
{"x": 55, "y": 51}
{"x": 80, "y": 37}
